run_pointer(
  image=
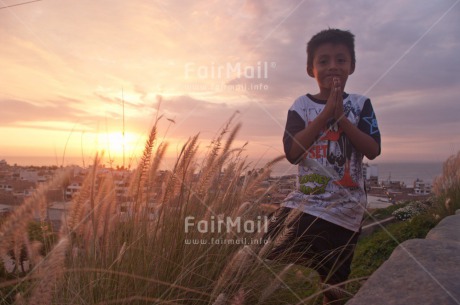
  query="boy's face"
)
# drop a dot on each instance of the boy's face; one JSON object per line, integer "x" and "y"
{"x": 329, "y": 61}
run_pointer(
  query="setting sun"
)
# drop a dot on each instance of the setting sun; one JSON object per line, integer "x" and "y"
{"x": 115, "y": 148}
{"x": 116, "y": 144}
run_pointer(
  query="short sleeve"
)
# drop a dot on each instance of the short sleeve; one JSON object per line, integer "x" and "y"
{"x": 368, "y": 122}
{"x": 294, "y": 124}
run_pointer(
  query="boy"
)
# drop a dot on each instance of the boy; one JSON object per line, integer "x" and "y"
{"x": 327, "y": 134}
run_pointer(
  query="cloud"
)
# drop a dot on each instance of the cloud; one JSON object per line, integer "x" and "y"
{"x": 424, "y": 114}
{"x": 69, "y": 62}
{"x": 14, "y": 111}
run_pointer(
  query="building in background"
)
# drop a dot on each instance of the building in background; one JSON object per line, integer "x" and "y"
{"x": 371, "y": 175}
{"x": 421, "y": 187}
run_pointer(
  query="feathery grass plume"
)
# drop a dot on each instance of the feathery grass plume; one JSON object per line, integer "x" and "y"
{"x": 79, "y": 201}
{"x": 261, "y": 191}
{"x": 448, "y": 203}
{"x": 182, "y": 171}
{"x": 279, "y": 232}
{"x": 208, "y": 171}
{"x": 181, "y": 164}
{"x": 335, "y": 292}
{"x": 93, "y": 190}
{"x": 243, "y": 208}
{"x": 169, "y": 187}
{"x": 17, "y": 247}
{"x": 221, "y": 300}
{"x": 284, "y": 235}
{"x": 157, "y": 159}
{"x": 231, "y": 138}
{"x": 447, "y": 187}
{"x": 226, "y": 188}
{"x": 15, "y": 225}
{"x": 212, "y": 162}
{"x": 105, "y": 209}
{"x": 234, "y": 271}
{"x": 91, "y": 224}
{"x": 274, "y": 284}
{"x": 83, "y": 223}
{"x": 179, "y": 183}
{"x": 226, "y": 152}
{"x": 83, "y": 226}
{"x": 139, "y": 185}
{"x": 19, "y": 300}
{"x": 226, "y": 166}
{"x": 229, "y": 174}
{"x": 50, "y": 270}
{"x": 233, "y": 188}
{"x": 170, "y": 181}
{"x": 33, "y": 251}
{"x": 111, "y": 219}
{"x": 120, "y": 254}
{"x": 293, "y": 217}
{"x": 253, "y": 184}
{"x": 238, "y": 298}
{"x": 266, "y": 249}
{"x": 450, "y": 174}
{"x": 81, "y": 217}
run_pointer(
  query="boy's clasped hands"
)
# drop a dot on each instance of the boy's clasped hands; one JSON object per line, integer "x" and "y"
{"x": 334, "y": 104}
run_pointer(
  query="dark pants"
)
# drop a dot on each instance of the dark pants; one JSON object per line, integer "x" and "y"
{"x": 310, "y": 241}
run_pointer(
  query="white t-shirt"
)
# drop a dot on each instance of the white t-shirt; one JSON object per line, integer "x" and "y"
{"x": 330, "y": 176}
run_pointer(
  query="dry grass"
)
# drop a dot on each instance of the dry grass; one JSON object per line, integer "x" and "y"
{"x": 447, "y": 187}
{"x": 143, "y": 258}
{"x": 150, "y": 244}
{"x": 14, "y": 236}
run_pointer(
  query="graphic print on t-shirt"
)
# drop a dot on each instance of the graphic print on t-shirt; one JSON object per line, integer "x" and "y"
{"x": 337, "y": 149}
{"x": 330, "y": 178}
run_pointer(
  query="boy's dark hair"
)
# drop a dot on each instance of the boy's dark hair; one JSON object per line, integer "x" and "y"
{"x": 334, "y": 36}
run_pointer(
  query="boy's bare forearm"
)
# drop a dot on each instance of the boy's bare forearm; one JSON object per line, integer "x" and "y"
{"x": 305, "y": 138}
{"x": 360, "y": 140}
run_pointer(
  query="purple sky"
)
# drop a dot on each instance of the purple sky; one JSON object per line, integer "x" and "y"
{"x": 65, "y": 64}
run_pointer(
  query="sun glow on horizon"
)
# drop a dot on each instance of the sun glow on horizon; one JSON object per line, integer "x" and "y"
{"x": 115, "y": 144}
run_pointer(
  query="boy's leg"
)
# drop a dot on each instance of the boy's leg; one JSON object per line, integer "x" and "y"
{"x": 333, "y": 248}
{"x": 315, "y": 243}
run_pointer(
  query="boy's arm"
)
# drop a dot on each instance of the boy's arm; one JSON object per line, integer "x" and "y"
{"x": 305, "y": 138}
{"x": 363, "y": 142}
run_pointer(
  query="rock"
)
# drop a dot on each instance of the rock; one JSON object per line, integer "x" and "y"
{"x": 419, "y": 271}
{"x": 447, "y": 229}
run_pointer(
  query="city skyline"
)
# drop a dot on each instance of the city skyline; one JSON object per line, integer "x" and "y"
{"x": 68, "y": 65}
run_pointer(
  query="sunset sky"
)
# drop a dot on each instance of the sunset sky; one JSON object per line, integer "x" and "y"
{"x": 66, "y": 64}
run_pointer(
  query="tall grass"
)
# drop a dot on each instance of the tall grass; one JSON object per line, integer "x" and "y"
{"x": 103, "y": 256}
{"x": 142, "y": 257}
{"x": 14, "y": 237}
{"x": 447, "y": 187}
